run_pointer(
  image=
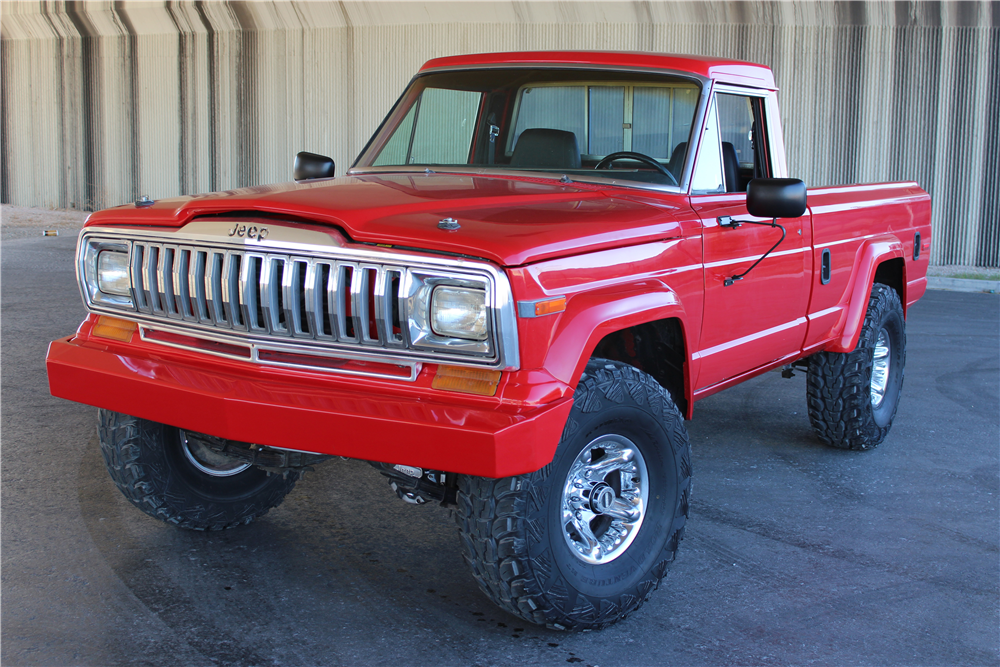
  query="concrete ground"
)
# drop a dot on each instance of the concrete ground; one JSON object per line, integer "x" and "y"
{"x": 795, "y": 553}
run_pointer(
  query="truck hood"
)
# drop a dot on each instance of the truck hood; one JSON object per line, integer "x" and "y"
{"x": 509, "y": 220}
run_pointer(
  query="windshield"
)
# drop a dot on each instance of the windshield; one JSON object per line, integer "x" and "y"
{"x": 585, "y": 124}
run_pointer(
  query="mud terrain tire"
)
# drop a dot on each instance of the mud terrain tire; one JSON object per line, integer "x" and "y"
{"x": 847, "y": 409}
{"x": 148, "y": 464}
{"x": 530, "y": 556}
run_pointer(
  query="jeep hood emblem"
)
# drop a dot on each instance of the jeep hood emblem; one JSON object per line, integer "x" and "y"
{"x": 250, "y": 232}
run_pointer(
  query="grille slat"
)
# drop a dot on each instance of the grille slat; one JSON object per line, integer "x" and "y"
{"x": 213, "y": 288}
{"x": 182, "y": 285}
{"x": 387, "y": 303}
{"x": 271, "y": 295}
{"x": 316, "y": 298}
{"x": 361, "y": 292}
{"x": 332, "y": 302}
{"x": 152, "y": 292}
{"x": 374, "y": 280}
{"x": 293, "y": 298}
{"x": 165, "y": 269}
{"x": 344, "y": 300}
{"x": 196, "y": 283}
{"x": 250, "y": 293}
{"x": 231, "y": 290}
{"x": 141, "y": 300}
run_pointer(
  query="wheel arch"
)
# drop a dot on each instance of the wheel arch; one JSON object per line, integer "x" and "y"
{"x": 879, "y": 260}
{"x": 610, "y": 326}
{"x": 656, "y": 348}
{"x": 892, "y": 272}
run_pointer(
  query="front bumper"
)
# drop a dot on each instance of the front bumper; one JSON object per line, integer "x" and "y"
{"x": 345, "y": 417}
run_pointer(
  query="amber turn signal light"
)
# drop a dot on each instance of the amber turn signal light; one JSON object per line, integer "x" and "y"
{"x": 468, "y": 380}
{"x": 114, "y": 328}
{"x": 551, "y": 306}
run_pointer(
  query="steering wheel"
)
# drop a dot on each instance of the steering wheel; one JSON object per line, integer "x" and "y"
{"x": 639, "y": 157}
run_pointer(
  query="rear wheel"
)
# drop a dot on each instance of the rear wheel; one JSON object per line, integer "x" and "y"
{"x": 853, "y": 396}
{"x": 584, "y": 541}
{"x": 179, "y": 480}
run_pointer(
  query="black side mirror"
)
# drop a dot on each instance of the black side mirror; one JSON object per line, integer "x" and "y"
{"x": 776, "y": 197}
{"x": 309, "y": 165}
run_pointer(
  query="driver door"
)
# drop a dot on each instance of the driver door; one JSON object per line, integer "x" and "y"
{"x": 759, "y": 318}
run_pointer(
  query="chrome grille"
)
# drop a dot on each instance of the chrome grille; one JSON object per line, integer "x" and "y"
{"x": 305, "y": 298}
{"x": 271, "y": 294}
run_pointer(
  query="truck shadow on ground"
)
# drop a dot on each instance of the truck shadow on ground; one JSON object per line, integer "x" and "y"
{"x": 340, "y": 564}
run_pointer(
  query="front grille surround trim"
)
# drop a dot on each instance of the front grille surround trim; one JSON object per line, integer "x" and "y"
{"x": 262, "y": 293}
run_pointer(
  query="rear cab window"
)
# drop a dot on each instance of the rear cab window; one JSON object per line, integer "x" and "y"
{"x": 607, "y": 118}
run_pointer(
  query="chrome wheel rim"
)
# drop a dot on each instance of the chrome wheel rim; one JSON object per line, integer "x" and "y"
{"x": 880, "y": 368}
{"x": 604, "y": 499}
{"x": 208, "y": 461}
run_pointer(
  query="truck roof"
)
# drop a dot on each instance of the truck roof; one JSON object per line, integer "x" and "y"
{"x": 719, "y": 69}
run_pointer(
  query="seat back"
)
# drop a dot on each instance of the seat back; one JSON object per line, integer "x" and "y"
{"x": 546, "y": 148}
{"x": 676, "y": 164}
{"x": 730, "y": 167}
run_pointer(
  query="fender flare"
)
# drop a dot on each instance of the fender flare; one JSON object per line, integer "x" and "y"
{"x": 871, "y": 254}
{"x": 590, "y": 316}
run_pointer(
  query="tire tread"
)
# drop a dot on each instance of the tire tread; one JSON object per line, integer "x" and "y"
{"x": 126, "y": 445}
{"x": 495, "y": 535}
{"x": 837, "y": 384}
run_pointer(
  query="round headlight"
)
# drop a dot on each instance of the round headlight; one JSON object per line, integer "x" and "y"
{"x": 112, "y": 273}
{"x": 459, "y": 312}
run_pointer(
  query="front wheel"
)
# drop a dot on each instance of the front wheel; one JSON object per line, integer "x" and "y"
{"x": 853, "y": 396}
{"x": 584, "y": 541}
{"x": 174, "y": 477}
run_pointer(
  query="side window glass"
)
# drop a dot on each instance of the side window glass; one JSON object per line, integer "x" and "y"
{"x": 708, "y": 170}
{"x": 437, "y": 130}
{"x": 744, "y": 143}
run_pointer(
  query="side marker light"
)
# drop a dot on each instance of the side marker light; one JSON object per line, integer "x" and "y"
{"x": 529, "y": 309}
{"x": 114, "y": 328}
{"x": 551, "y": 306}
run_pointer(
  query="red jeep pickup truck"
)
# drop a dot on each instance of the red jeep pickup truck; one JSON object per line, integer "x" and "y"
{"x": 509, "y": 305}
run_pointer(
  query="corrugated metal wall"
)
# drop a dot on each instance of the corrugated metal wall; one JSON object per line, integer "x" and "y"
{"x": 104, "y": 102}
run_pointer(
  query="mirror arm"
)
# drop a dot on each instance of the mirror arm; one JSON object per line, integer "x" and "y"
{"x": 773, "y": 223}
